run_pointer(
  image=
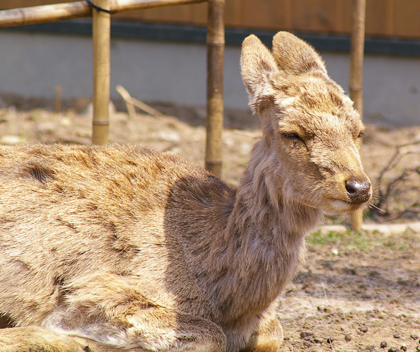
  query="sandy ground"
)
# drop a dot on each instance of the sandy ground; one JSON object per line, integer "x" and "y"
{"x": 356, "y": 292}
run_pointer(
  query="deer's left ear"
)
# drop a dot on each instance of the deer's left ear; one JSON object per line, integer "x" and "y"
{"x": 257, "y": 66}
{"x": 294, "y": 56}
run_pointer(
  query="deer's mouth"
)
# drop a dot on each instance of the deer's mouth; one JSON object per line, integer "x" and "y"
{"x": 342, "y": 205}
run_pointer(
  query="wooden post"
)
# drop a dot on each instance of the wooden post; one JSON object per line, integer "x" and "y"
{"x": 215, "y": 62}
{"x": 101, "y": 72}
{"x": 356, "y": 78}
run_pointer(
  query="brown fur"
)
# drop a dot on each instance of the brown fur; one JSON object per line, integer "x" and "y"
{"x": 123, "y": 247}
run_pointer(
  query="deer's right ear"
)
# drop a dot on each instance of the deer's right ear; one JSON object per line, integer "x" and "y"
{"x": 257, "y": 67}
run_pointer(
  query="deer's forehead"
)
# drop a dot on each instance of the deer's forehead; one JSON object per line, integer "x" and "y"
{"x": 313, "y": 94}
{"x": 321, "y": 124}
{"x": 317, "y": 106}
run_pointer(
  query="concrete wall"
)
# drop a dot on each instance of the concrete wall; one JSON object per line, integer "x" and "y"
{"x": 33, "y": 64}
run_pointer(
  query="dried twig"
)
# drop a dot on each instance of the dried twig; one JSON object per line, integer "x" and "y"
{"x": 132, "y": 102}
{"x": 58, "y": 99}
{"x": 386, "y": 192}
{"x": 127, "y": 98}
{"x": 248, "y": 134}
{"x": 396, "y": 157}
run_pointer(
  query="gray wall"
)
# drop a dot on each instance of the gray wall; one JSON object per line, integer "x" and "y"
{"x": 33, "y": 64}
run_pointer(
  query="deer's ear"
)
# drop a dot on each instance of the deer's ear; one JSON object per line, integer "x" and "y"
{"x": 257, "y": 67}
{"x": 294, "y": 56}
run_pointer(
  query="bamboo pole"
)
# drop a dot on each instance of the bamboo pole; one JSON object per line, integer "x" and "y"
{"x": 101, "y": 72}
{"x": 215, "y": 62}
{"x": 356, "y": 78}
{"x": 78, "y": 9}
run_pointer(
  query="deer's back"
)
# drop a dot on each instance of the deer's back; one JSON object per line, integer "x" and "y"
{"x": 71, "y": 217}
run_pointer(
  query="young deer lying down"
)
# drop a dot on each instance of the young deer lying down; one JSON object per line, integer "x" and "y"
{"x": 123, "y": 248}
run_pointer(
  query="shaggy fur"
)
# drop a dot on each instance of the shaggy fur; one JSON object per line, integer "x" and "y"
{"x": 124, "y": 248}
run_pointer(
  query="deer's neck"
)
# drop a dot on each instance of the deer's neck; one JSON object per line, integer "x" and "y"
{"x": 262, "y": 242}
{"x": 260, "y": 199}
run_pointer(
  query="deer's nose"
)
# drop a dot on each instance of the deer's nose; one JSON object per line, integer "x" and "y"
{"x": 358, "y": 191}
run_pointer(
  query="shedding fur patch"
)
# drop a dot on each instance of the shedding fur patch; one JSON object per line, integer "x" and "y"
{"x": 39, "y": 173}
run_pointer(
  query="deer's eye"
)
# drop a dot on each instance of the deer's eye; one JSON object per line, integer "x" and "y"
{"x": 290, "y": 135}
{"x": 361, "y": 134}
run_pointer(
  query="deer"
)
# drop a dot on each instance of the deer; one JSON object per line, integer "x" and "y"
{"x": 123, "y": 248}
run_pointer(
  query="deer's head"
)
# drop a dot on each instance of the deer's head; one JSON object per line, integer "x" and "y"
{"x": 310, "y": 128}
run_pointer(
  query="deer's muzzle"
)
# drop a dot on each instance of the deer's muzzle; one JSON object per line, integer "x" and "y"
{"x": 358, "y": 191}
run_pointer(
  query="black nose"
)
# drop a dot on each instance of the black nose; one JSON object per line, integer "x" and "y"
{"x": 358, "y": 191}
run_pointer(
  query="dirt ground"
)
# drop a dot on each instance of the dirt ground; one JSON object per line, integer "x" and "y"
{"x": 356, "y": 292}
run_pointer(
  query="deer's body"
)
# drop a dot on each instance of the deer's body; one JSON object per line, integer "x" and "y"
{"x": 121, "y": 247}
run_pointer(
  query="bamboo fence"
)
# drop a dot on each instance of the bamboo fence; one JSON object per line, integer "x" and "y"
{"x": 356, "y": 78}
{"x": 101, "y": 58}
{"x": 215, "y": 52}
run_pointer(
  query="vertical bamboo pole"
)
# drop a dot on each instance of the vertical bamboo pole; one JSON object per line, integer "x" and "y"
{"x": 356, "y": 78}
{"x": 101, "y": 72}
{"x": 215, "y": 62}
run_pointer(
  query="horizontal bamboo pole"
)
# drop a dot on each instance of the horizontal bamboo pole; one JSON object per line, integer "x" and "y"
{"x": 72, "y": 10}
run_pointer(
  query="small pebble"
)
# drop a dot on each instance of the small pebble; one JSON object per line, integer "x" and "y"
{"x": 330, "y": 339}
{"x": 393, "y": 349}
{"x": 168, "y": 136}
{"x": 363, "y": 329}
{"x": 306, "y": 335}
{"x": 306, "y": 344}
{"x": 384, "y": 344}
{"x": 347, "y": 337}
{"x": 418, "y": 348}
{"x": 414, "y": 337}
{"x": 10, "y": 139}
{"x": 403, "y": 348}
{"x": 397, "y": 336}
{"x": 325, "y": 310}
